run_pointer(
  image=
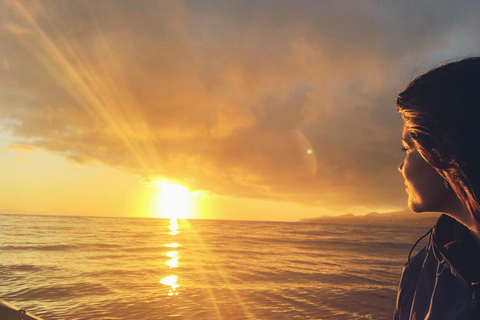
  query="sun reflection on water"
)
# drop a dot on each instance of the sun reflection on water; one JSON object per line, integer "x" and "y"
{"x": 171, "y": 280}
{"x": 173, "y": 227}
{"x": 173, "y": 263}
{"x": 172, "y": 254}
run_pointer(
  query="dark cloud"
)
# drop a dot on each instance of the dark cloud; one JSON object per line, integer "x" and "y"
{"x": 228, "y": 96}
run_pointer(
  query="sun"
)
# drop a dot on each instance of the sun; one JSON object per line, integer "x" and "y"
{"x": 173, "y": 201}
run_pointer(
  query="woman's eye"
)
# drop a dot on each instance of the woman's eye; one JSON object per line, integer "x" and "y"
{"x": 404, "y": 149}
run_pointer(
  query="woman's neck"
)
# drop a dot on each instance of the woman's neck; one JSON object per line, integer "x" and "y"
{"x": 461, "y": 213}
{"x": 476, "y": 235}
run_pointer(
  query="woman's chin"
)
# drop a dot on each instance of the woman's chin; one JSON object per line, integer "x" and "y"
{"x": 415, "y": 207}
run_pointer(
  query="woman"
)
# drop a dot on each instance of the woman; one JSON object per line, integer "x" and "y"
{"x": 441, "y": 138}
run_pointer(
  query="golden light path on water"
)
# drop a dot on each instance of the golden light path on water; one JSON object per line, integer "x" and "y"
{"x": 170, "y": 202}
{"x": 175, "y": 201}
{"x": 172, "y": 280}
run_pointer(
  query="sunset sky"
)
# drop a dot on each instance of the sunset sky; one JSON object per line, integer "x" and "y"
{"x": 264, "y": 110}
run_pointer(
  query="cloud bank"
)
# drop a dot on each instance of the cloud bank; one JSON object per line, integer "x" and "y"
{"x": 288, "y": 100}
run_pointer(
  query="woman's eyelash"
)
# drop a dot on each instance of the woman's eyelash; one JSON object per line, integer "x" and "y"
{"x": 404, "y": 149}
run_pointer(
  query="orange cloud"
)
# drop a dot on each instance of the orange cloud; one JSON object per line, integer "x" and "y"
{"x": 222, "y": 98}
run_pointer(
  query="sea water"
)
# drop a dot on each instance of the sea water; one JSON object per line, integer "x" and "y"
{"x": 131, "y": 268}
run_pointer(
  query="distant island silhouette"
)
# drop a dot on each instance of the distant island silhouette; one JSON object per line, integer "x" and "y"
{"x": 404, "y": 217}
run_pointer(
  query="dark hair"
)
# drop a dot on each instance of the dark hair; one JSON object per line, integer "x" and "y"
{"x": 441, "y": 109}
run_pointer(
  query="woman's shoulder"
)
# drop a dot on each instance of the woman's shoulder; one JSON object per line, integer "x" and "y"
{"x": 430, "y": 287}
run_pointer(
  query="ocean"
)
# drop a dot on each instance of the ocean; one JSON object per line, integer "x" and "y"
{"x": 88, "y": 268}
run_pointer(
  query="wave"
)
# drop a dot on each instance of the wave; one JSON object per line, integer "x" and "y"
{"x": 55, "y": 292}
{"x": 112, "y": 269}
{"x": 27, "y": 267}
{"x": 54, "y": 247}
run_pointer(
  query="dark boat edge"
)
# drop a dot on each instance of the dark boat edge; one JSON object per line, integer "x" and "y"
{"x": 10, "y": 312}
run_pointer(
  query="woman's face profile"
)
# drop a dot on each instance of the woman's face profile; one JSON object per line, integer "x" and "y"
{"x": 424, "y": 185}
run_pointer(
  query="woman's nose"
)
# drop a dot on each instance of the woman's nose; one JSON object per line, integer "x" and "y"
{"x": 400, "y": 167}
